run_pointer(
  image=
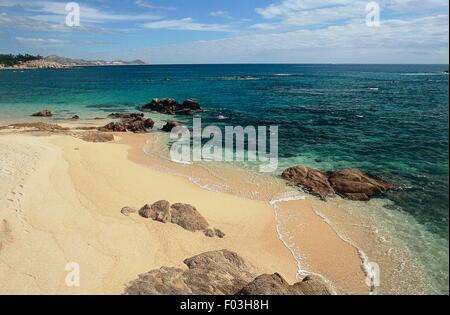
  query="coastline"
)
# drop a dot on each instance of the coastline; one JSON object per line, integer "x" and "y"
{"x": 75, "y": 215}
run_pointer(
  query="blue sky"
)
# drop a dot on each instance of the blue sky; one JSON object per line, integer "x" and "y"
{"x": 230, "y": 31}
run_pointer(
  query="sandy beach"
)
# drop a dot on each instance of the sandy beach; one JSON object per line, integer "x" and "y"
{"x": 61, "y": 199}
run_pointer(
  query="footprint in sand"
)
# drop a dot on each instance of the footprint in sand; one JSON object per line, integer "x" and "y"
{"x": 5, "y": 234}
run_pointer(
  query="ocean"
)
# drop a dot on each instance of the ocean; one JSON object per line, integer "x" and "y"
{"x": 389, "y": 120}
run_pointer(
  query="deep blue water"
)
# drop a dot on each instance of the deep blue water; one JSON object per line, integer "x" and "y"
{"x": 390, "y": 120}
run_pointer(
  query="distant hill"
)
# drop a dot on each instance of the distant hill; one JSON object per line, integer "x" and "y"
{"x": 56, "y": 62}
{"x": 81, "y": 62}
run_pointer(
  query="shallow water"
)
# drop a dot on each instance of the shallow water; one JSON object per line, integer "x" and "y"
{"x": 389, "y": 120}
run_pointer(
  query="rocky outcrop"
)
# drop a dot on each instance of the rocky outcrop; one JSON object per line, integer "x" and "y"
{"x": 170, "y": 106}
{"x": 181, "y": 214}
{"x": 310, "y": 180}
{"x": 132, "y": 122}
{"x": 75, "y": 117}
{"x": 276, "y": 285}
{"x": 43, "y": 113}
{"x": 38, "y": 126}
{"x": 352, "y": 184}
{"x": 218, "y": 273}
{"x": 170, "y": 125}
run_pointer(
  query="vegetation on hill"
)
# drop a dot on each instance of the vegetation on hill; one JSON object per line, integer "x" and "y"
{"x": 12, "y": 60}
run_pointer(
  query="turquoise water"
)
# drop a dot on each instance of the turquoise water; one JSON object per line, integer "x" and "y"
{"x": 391, "y": 120}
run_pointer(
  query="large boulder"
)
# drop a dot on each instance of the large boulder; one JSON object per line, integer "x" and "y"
{"x": 220, "y": 272}
{"x": 276, "y": 285}
{"x": 212, "y": 273}
{"x": 43, "y": 113}
{"x": 188, "y": 217}
{"x": 180, "y": 214}
{"x": 312, "y": 181}
{"x": 354, "y": 184}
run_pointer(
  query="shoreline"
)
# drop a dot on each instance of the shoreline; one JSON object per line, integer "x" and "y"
{"x": 86, "y": 163}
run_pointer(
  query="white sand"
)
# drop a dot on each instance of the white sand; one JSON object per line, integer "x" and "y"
{"x": 60, "y": 202}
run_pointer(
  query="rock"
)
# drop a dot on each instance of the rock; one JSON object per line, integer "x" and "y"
{"x": 276, "y": 285}
{"x": 95, "y": 137}
{"x": 209, "y": 233}
{"x": 170, "y": 106}
{"x": 126, "y": 115}
{"x": 314, "y": 285}
{"x": 220, "y": 273}
{"x": 128, "y": 210}
{"x": 191, "y": 103}
{"x": 38, "y": 126}
{"x": 183, "y": 215}
{"x": 357, "y": 185}
{"x": 146, "y": 211}
{"x": 75, "y": 117}
{"x": 312, "y": 181}
{"x": 170, "y": 125}
{"x": 212, "y": 273}
{"x": 352, "y": 184}
{"x": 188, "y": 217}
{"x": 219, "y": 233}
{"x": 43, "y": 113}
{"x": 114, "y": 127}
{"x": 133, "y": 122}
{"x": 161, "y": 211}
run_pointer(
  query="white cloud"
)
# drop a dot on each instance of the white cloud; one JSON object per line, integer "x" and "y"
{"x": 421, "y": 40}
{"x": 187, "y": 24}
{"x": 149, "y": 5}
{"x": 29, "y": 41}
{"x": 288, "y": 13}
{"x": 56, "y": 11}
{"x": 222, "y": 14}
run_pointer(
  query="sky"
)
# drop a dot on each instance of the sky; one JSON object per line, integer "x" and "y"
{"x": 230, "y": 31}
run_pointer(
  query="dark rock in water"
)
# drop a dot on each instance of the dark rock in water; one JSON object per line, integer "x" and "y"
{"x": 276, "y": 285}
{"x": 310, "y": 180}
{"x": 219, "y": 273}
{"x": 170, "y": 125}
{"x": 183, "y": 215}
{"x": 357, "y": 185}
{"x": 212, "y": 273}
{"x": 191, "y": 104}
{"x": 352, "y": 184}
{"x": 133, "y": 122}
{"x": 170, "y": 106}
{"x": 43, "y": 113}
{"x": 75, "y": 117}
